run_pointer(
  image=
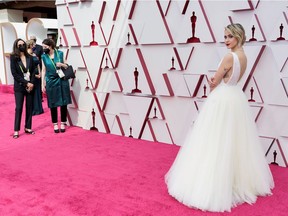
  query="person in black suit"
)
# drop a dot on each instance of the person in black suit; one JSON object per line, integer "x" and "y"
{"x": 23, "y": 71}
{"x": 38, "y": 51}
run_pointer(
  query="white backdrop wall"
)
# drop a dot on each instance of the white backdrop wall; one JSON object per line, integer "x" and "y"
{"x": 170, "y": 100}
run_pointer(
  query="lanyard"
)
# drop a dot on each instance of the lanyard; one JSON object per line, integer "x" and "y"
{"x": 53, "y": 61}
{"x": 22, "y": 69}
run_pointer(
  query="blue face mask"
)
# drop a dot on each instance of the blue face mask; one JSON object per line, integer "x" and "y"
{"x": 33, "y": 49}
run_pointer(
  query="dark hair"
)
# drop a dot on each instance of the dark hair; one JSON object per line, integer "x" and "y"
{"x": 16, "y": 51}
{"x": 49, "y": 42}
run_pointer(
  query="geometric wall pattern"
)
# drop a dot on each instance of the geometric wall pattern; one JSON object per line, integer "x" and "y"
{"x": 172, "y": 74}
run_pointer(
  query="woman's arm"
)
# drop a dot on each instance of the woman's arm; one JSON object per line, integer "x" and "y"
{"x": 30, "y": 84}
{"x": 38, "y": 76}
{"x": 43, "y": 72}
{"x": 62, "y": 62}
{"x": 225, "y": 66}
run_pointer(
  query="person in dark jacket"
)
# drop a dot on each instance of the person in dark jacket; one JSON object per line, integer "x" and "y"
{"x": 38, "y": 51}
{"x": 23, "y": 69}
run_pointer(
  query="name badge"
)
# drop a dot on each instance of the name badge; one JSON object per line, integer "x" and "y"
{"x": 27, "y": 76}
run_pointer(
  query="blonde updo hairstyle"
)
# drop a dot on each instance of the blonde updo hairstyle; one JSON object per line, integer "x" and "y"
{"x": 238, "y": 32}
{"x": 30, "y": 43}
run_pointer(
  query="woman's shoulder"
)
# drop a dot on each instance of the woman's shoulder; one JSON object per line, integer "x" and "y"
{"x": 229, "y": 55}
{"x": 14, "y": 57}
{"x": 44, "y": 56}
{"x": 60, "y": 52}
{"x": 29, "y": 56}
{"x": 228, "y": 58}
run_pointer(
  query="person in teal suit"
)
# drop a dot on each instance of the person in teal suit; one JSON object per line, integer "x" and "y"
{"x": 54, "y": 85}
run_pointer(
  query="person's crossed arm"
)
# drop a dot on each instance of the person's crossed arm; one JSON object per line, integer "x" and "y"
{"x": 225, "y": 65}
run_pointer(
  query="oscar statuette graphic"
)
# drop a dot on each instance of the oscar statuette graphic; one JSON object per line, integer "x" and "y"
{"x": 275, "y": 156}
{"x": 251, "y": 95}
{"x": 130, "y": 130}
{"x": 172, "y": 60}
{"x": 87, "y": 87}
{"x": 281, "y": 32}
{"x": 128, "y": 36}
{"x": 60, "y": 42}
{"x": 205, "y": 88}
{"x": 93, "y": 42}
{"x": 253, "y": 32}
{"x": 155, "y": 110}
{"x": 136, "y": 74}
{"x": 93, "y": 120}
{"x": 106, "y": 67}
{"x": 193, "y": 39}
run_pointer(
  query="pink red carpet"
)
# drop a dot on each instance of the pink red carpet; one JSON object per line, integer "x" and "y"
{"x": 84, "y": 172}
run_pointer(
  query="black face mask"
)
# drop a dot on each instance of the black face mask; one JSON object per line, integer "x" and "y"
{"x": 46, "y": 50}
{"x": 22, "y": 48}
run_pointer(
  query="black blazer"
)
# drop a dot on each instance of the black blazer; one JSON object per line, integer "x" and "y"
{"x": 39, "y": 52}
{"x": 19, "y": 81}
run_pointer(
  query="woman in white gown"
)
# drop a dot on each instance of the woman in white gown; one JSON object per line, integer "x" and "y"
{"x": 221, "y": 163}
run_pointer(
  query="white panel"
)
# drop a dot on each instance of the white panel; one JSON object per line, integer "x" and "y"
{"x": 273, "y": 121}
{"x": 276, "y": 32}
{"x": 157, "y": 61}
{"x": 147, "y": 134}
{"x": 128, "y": 62}
{"x": 116, "y": 104}
{"x": 180, "y": 114}
{"x": 280, "y": 54}
{"x": 63, "y": 16}
{"x": 74, "y": 57}
{"x": 126, "y": 124}
{"x": 200, "y": 58}
{"x": 178, "y": 84}
{"x": 237, "y": 5}
{"x": 284, "y": 146}
{"x": 184, "y": 26}
{"x": 9, "y": 35}
{"x": 160, "y": 130}
{"x": 92, "y": 57}
{"x": 152, "y": 29}
{"x": 267, "y": 77}
{"x": 137, "y": 108}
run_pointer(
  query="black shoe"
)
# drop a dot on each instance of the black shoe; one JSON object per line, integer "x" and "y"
{"x": 56, "y": 129}
{"x": 29, "y": 131}
{"x": 62, "y": 127}
{"x": 16, "y": 135}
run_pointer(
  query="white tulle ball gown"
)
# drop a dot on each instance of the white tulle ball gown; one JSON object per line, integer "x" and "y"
{"x": 221, "y": 163}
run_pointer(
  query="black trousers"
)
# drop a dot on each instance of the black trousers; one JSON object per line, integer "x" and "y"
{"x": 19, "y": 101}
{"x": 63, "y": 113}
